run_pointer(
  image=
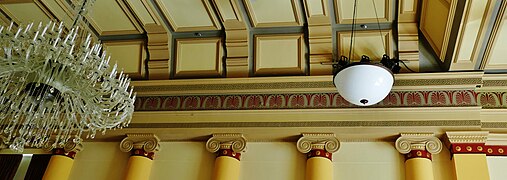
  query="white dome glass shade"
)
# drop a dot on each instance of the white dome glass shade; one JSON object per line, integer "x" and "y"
{"x": 364, "y": 84}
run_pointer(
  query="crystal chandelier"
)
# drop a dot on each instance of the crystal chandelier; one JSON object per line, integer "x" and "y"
{"x": 57, "y": 84}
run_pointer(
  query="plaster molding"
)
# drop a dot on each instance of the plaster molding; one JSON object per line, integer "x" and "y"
{"x": 312, "y": 141}
{"x": 497, "y": 139}
{"x": 458, "y": 137}
{"x": 234, "y": 141}
{"x": 418, "y": 141}
{"x": 145, "y": 141}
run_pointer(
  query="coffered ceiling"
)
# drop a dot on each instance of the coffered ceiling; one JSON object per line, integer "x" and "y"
{"x": 206, "y": 45}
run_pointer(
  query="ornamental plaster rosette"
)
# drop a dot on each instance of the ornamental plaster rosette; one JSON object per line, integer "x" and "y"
{"x": 235, "y": 142}
{"x": 418, "y": 141}
{"x": 310, "y": 141}
{"x": 147, "y": 142}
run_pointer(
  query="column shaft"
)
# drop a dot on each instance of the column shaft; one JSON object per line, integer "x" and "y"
{"x": 470, "y": 166}
{"x": 138, "y": 168}
{"x": 319, "y": 168}
{"x": 418, "y": 169}
{"x": 226, "y": 168}
{"x": 59, "y": 168}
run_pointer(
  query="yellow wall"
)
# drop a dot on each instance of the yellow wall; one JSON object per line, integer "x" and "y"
{"x": 263, "y": 160}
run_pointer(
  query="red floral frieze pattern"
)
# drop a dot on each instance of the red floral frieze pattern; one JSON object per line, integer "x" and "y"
{"x": 319, "y": 100}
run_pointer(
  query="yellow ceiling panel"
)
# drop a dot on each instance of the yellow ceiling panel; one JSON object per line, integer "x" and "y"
{"x": 24, "y": 12}
{"x": 279, "y": 54}
{"x": 142, "y": 11}
{"x": 496, "y": 58}
{"x": 269, "y": 13}
{"x": 369, "y": 43}
{"x": 108, "y": 18}
{"x": 58, "y": 8}
{"x": 129, "y": 55}
{"x": 189, "y": 15}
{"x": 365, "y": 13}
{"x": 434, "y": 25}
{"x": 198, "y": 57}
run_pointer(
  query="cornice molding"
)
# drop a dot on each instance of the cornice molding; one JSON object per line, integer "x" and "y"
{"x": 145, "y": 141}
{"x": 314, "y": 141}
{"x": 418, "y": 141}
{"x": 300, "y": 84}
{"x": 234, "y": 141}
{"x": 497, "y": 139}
{"x": 459, "y": 137}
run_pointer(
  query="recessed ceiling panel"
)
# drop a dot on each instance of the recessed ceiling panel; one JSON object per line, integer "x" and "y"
{"x": 279, "y": 54}
{"x": 23, "y": 13}
{"x": 129, "y": 55}
{"x": 198, "y": 57}
{"x": 367, "y": 11}
{"x": 270, "y": 13}
{"x": 189, "y": 15}
{"x": 369, "y": 43}
{"x": 108, "y": 18}
{"x": 496, "y": 58}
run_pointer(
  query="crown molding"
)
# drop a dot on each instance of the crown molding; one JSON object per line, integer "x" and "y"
{"x": 461, "y": 137}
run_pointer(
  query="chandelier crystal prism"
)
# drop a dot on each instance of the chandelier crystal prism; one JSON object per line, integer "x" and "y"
{"x": 57, "y": 85}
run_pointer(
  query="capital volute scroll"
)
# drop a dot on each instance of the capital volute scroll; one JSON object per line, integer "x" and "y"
{"x": 69, "y": 146}
{"x": 145, "y": 141}
{"x": 418, "y": 141}
{"x": 312, "y": 141}
{"x": 234, "y": 141}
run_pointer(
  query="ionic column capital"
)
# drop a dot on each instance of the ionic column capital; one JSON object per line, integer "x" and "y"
{"x": 233, "y": 141}
{"x": 141, "y": 141}
{"x": 318, "y": 141}
{"x": 69, "y": 149}
{"x": 408, "y": 142}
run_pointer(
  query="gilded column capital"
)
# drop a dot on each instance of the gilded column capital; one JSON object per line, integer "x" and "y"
{"x": 142, "y": 141}
{"x": 234, "y": 141}
{"x": 318, "y": 141}
{"x": 460, "y": 137}
{"x": 408, "y": 142}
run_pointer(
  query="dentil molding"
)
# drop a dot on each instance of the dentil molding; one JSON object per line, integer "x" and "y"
{"x": 145, "y": 141}
{"x": 234, "y": 141}
{"x": 418, "y": 141}
{"x": 457, "y": 137}
{"x": 311, "y": 141}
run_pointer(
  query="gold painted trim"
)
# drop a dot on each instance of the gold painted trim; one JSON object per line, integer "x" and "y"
{"x": 255, "y": 23}
{"x": 387, "y": 14}
{"x": 299, "y": 70}
{"x": 209, "y": 10}
{"x": 324, "y": 6}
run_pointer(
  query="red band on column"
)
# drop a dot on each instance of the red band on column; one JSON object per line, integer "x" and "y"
{"x": 229, "y": 152}
{"x": 418, "y": 154}
{"x": 479, "y": 148}
{"x": 141, "y": 152}
{"x": 320, "y": 153}
{"x": 61, "y": 151}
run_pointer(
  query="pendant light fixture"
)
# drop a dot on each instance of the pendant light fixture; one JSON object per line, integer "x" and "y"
{"x": 364, "y": 83}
